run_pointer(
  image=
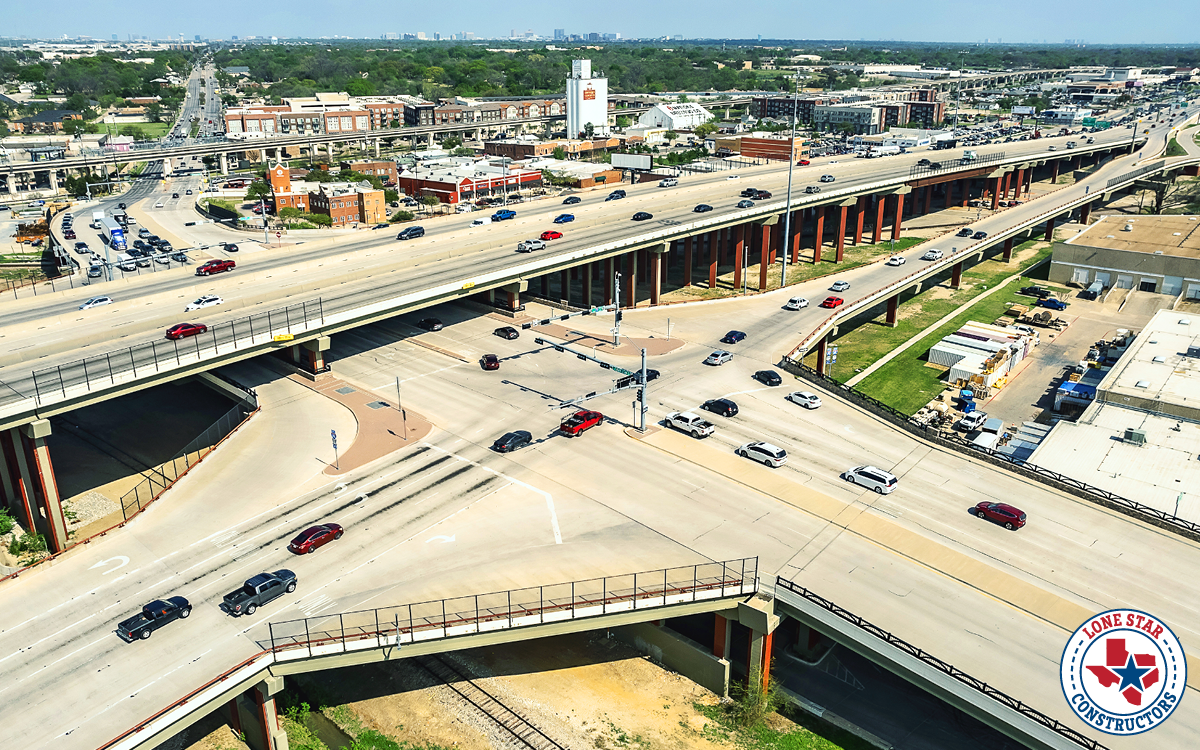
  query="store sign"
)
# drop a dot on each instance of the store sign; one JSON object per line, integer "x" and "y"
{"x": 589, "y": 94}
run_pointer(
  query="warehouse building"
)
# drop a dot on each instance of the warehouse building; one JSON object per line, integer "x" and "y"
{"x": 1159, "y": 254}
{"x": 675, "y": 116}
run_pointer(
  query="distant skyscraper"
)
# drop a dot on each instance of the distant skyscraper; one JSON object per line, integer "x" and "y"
{"x": 420, "y": 35}
{"x": 234, "y": 37}
{"x": 437, "y": 36}
{"x": 560, "y": 34}
{"x": 114, "y": 37}
{"x": 197, "y": 37}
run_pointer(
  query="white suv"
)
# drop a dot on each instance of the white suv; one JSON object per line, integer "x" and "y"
{"x": 764, "y": 453}
{"x": 933, "y": 254}
{"x": 796, "y": 303}
{"x": 873, "y": 478}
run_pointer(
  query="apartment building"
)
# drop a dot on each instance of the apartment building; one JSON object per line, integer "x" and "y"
{"x": 343, "y": 202}
{"x": 383, "y": 169}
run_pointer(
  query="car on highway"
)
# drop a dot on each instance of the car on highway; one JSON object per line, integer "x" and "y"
{"x": 380, "y": 226}
{"x": 964, "y": 232}
{"x": 827, "y": 178}
{"x": 795, "y": 303}
{"x": 69, "y": 234}
{"x": 979, "y": 236}
{"x": 507, "y": 332}
{"x": 183, "y": 330}
{"x": 693, "y": 424}
{"x": 703, "y": 208}
{"x": 550, "y": 234}
{"x": 764, "y": 453}
{"x": 158, "y": 613}
{"x": 314, "y": 537}
{"x": 642, "y": 216}
{"x": 489, "y": 362}
{"x": 722, "y": 406}
{"x": 580, "y": 422}
{"x": 615, "y": 195}
{"x": 91, "y": 302}
{"x": 257, "y": 591}
{"x": 207, "y": 300}
{"x": 896, "y": 260}
{"x": 932, "y": 254}
{"x": 1034, "y": 291}
{"x": 95, "y": 272}
{"x": 812, "y": 188}
{"x": 839, "y": 286}
{"x": 411, "y": 233}
{"x": 143, "y": 233}
{"x": 230, "y": 247}
{"x": 215, "y": 266}
{"x": 761, "y": 195}
{"x": 748, "y": 192}
{"x": 188, "y": 191}
{"x": 832, "y": 302}
{"x": 803, "y": 163}
{"x": 768, "y": 377}
{"x": 528, "y": 246}
{"x": 873, "y": 478}
{"x": 564, "y": 218}
{"x": 121, "y": 206}
{"x": 805, "y": 399}
{"x": 572, "y": 200}
{"x": 504, "y": 214}
{"x": 719, "y": 357}
{"x": 1052, "y": 304}
{"x": 745, "y": 204}
{"x": 430, "y": 324}
{"x": 636, "y": 377}
{"x": 82, "y": 248}
{"x": 1004, "y": 514}
{"x": 733, "y": 337}
{"x": 511, "y": 441}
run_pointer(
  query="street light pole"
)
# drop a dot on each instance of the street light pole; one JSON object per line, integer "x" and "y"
{"x": 787, "y": 217}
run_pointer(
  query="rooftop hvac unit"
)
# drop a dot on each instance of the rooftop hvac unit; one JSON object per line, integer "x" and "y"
{"x": 1135, "y": 437}
{"x": 1193, "y": 349}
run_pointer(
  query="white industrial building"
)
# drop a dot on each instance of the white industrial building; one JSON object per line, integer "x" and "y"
{"x": 587, "y": 101}
{"x": 675, "y": 116}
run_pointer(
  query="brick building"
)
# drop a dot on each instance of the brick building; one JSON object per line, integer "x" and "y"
{"x": 383, "y": 169}
{"x": 768, "y": 146}
{"x": 47, "y": 121}
{"x": 930, "y": 114}
{"x": 524, "y": 149}
{"x": 343, "y": 202}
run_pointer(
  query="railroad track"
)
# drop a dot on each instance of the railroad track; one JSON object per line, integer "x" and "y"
{"x": 507, "y": 719}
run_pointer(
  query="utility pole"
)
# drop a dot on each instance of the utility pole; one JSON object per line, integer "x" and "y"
{"x": 787, "y": 217}
{"x": 262, "y": 207}
{"x": 640, "y": 404}
{"x": 616, "y": 330}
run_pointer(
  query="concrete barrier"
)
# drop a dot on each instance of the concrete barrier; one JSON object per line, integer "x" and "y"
{"x": 679, "y": 654}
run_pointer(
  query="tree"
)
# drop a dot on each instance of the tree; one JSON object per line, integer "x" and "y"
{"x": 402, "y": 216}
{"x": 320, "y": 220}
{"x": 74, "y": 127}
{"x": 451, "y": 142}
{"x": 288, "y": 213}
{"x": 623, "y": 121}
{"x": 588, "y": 130}
{"x": 154, "y": 112}
{"x": 429, "y": 201}
{"x": 559, "y": 153}
{"x": 391, "y": 195}
{"x": 258, "y": 190}
{"x": 463, "y": 151}
{"x": 671, "y": 135}
{"x": 705, "y": 129}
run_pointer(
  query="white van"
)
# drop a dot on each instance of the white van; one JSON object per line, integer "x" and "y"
{"x": 873, "y": 478}
{"x": 482, "y": 220}
{"x": 668, "y": 182}
{"x": 464, "y": 208}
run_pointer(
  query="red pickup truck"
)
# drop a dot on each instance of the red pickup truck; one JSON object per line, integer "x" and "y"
{"x": 580, "y": 422}
{"x": 215, "y": 266}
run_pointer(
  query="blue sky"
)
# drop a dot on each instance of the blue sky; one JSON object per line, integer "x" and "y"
{"x": 1149, "y": 21}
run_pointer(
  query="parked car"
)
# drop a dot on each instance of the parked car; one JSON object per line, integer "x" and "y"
{"x": 88, "y": 304}
{"x": 411, "y": 233}
{"x": 642, "y": 216}
{"x": 839, "y": 286}
{"x": 580, "y": 422}
{"x": 719, "y": 357}
{"x": 896, "y": 260}
{"x": 511, "y": 441}
{"x": 796, "y": 303}
{"x": 693, "y": 424}
{"x": 572, "y": 200}
{"x": 733, "y": 337}
{"x": 259, "y": 590}
{"x": 703, "y": 208}
{"x": 768, "y": 377}
{"x": 805, "y": 399}
{"x": 1051, "y": 303}
{"x": 528, "y": 246}
{"x": 873, "y": 478}
{"x": 1002, "y": 513}
{"x": 722, "y": 406}
{"x": 507, "y": 333}
{"x": 207, "y": 300}
{"x": 183, "y": 330}
{"x": 156, "y": 614}
{"x": 932, "y": 254}
{"x": 745, "y": 204}
{"x": 764, "y": 453}
{"x": 314, "y": 537}
{"x": 489, "y": 362}
{"x": 430, "y": 324}
{"x": 564, "y": 218}
{"x": 832, "y": 302}
{"x": 215, "y": 266}
{"x": 550, "y": 234}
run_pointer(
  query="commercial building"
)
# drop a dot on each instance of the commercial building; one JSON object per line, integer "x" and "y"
{"x": 383, "y": 169}
{"x": 1140, "y": 435}
{"x": 1159, "y": 254}
{"x": 772, "y": 146}
{"x": 587, "y": 100}
{"x": 865, "y": 119}
{"x": 322, "y": 113}
{"x": 343, "y": 202}
{"x": 46, "y": 121}
{"x": 781, "y": 107}
{"x": 1066, "y": 116}
{"x": 675, "y": 116}
{"x": 526, "y": 148}
{"x": 582, "y": 174}
{"x": 463, "y": 179}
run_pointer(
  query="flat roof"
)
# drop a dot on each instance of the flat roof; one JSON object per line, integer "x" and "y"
{"x": 1156, "y": 366}
{"x": 1169, "y": 235}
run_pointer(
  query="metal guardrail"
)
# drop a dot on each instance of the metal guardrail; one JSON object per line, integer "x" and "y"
{"x": 948, "y": 669}
{"x": 948, "y": 165}
{"x": 1136, "y": 173}
{"x": 1158, "y": 518}
{"x": 512, "y": 609}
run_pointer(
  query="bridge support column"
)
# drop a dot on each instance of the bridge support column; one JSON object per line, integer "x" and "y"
{"x": 1004, "y": 180}
{"x": 777, "y": 241}
{"x": 928, "y": 199}
{"x": 1050, "y": 229}
{"x": 899, "y": 216}
{"x": 797, "y": 230}
{"x": 224, "y": 158}
{"x": 1054, "y": 171}
{"x": 893, "y": 307}
{"x": 714, "y": 248}
{"x": 841, "y": 235}
{"x": 877, "y": 227}
{"x": 376, "y": 148}
{"x": 309, "y": 356}
{"x": 28, "y": 486}
{"x": 629, "y": 282}
{"x": 823, "y": 354}
{"x": 687, "y": 261}
{"x": 1020, "y": 182}
{"x": 1192, "y": 170}
{"x": 739, "y": 255}
{"x": 564, "y": 286}
{"x": 819, "y": 233}
{"x": 546, "y": 286}
{"x": 995, "y": 193}
{"x": 512, "y": 294}
{"x": 956, "y": 275}
{"x": 585, "y": 278}
{"x": 764, "y": 257}
{"x": 606, "y": 279}
{"x": 1085, "y": 211}
{"x": 53, "y": 175}
{"x": 655, "y": 271}
{"x": 257, "y": 717}
{"x": 966, "y": 190}
{"x": 1008, "y": 245}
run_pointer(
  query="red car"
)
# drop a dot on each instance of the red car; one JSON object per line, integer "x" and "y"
{"x": 215, "y": 266}
{"x": 832, "y": 302}
{"x": 580, "y": 422}
{"x": 68, "y": 234}
{"x": 550, "y": 234}
{"x": 183, "y": 330}
{"x": 803, "y": 163}
{"x": 1002, "y": 513}
{"x": 315, "y": 536}
{"x": 490, "y": 362}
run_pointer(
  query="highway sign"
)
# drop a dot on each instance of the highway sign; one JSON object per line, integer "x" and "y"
{"x": 283, "y": 337}
{"x": 333, "y": 436}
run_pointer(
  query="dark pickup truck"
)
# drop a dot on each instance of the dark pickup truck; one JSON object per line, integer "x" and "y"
{"x": 1035, "y": 291}
{"x": 153, "y": 616}
{"x": 259, "y": 590}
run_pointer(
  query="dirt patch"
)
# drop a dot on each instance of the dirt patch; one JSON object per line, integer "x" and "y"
{"x": 210, "y": 733}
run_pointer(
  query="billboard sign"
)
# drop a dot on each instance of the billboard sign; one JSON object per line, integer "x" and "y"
{"x": 631, "y": 161}
{"x": 1023, "y": 110}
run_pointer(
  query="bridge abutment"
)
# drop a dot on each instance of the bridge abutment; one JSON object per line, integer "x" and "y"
{"x": 28, "y": 484}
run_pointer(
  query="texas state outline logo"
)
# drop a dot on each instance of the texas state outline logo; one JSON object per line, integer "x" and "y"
{"x": 1123, "y": 672}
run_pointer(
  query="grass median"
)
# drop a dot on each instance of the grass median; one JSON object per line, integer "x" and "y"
{"x": 905, "y": 382}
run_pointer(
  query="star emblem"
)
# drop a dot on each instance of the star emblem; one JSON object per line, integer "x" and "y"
{"x": 1131, "y": 675}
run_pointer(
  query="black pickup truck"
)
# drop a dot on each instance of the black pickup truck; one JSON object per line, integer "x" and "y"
{"x": 153, "y": 616}
{"x": 259, "y": 590}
